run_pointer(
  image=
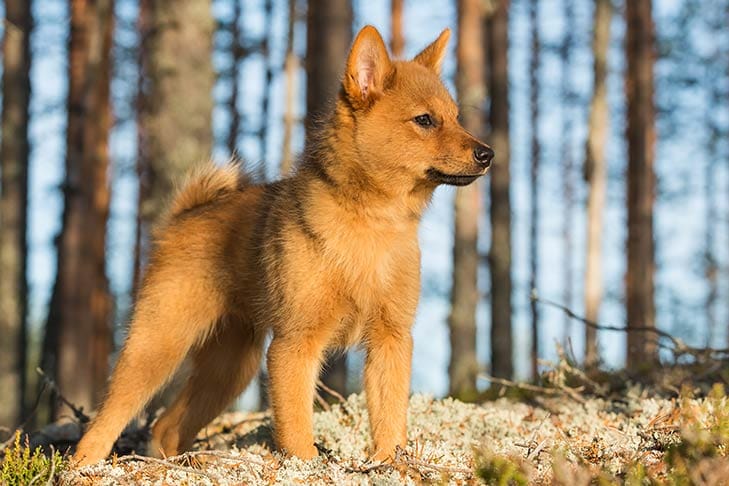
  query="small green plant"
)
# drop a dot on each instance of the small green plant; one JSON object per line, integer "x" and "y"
{"x": 21, "y": 466}
{"x": 501, "y": 471}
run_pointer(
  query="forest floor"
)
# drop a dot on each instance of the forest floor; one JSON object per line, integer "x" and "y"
{"x": 601, "y": 430}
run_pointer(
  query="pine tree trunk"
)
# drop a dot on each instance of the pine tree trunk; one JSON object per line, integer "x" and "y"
{"x": 595, "y": 174}
{"x": 328, "y": 36}
{"x": 397, "y": 38}
{"x": 141, "y": 237}
{"x": 534, "y": 180}
{"x": 81, "y": 307}
{"x": 641, "y": 135}
{"x": 463, "y": 366}
{"x": 177, "y": 124}
{"x": 236, "y": 55}
{"x": 267, "y": 81}
{"x": 13, "y": 210}
{"x": 176, "y": 120}
{"x": 497, "y": 28}
{"x": 568, "y": 166}
{"x": 291, "y": 65}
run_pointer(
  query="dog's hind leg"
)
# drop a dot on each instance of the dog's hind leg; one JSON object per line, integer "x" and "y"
{"x": 172, "y": 315}
{"x": 222, "y": 368}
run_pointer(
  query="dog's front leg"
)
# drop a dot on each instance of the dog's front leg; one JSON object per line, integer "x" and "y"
{"x": 293, "y": 366}
{"x": 387, "y": 385}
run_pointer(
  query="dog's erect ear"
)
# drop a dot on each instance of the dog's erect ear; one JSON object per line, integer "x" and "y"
{"x": 433, "y": 55}
{"x": 367, "y": 67}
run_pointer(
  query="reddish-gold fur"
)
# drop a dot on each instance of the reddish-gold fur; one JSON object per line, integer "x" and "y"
{"x": 324, "y": 259}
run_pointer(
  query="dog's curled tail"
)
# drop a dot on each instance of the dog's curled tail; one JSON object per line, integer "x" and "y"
{"x": 206, "y": 184}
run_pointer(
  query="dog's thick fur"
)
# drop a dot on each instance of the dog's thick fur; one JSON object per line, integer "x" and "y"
{"x": 323, "y": 259}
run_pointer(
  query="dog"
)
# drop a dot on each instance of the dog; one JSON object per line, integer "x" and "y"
{"x": 321, "y": 260}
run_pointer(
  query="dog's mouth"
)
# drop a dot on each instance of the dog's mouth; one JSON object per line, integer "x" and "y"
{"x": 451, "y": 179}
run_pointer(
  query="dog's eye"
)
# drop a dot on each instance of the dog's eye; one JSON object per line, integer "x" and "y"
{"x": 424, "y": 120}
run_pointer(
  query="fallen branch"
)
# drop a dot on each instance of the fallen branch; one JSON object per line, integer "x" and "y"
{"x": 227, "y": 456}
{"x": 679, "y": 347}
{"x": 171, "y": 465}
{"x": 402, "y": 457}
{"x": 554, "y": 391}
{"x": 78, "y": 412}
{"x": 331, "y": 391}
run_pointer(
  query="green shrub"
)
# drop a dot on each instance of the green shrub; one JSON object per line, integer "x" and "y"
{"x": 21, "y": 466}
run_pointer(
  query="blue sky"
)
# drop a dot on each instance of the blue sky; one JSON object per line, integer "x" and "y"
{"x": 680, "y": 162}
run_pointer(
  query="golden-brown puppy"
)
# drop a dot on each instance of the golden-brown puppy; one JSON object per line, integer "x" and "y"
{"x": 324, "y": 259}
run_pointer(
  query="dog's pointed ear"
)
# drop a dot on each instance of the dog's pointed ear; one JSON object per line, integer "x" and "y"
{"x": 367, "y": 67}
{"x": 433, "y": 55}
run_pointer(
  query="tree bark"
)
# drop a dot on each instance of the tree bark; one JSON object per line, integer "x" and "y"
{"x": 267, "y": 80}
{"x": 595, "y": 174}
{"x": 141, "y": 236}
{"x": 397, "y": 38}
{"x": 463, "y": 367}
{"x": 641, "y": 135}
{"x": 291, "y": 66}
{"x": 567, "y": 96}
{"x": 534, "y": 180}
{"x": 177, "y": 123}
{"x": 236, "y": 55}
{"x": 328, "y": 36}
{"x": 497, "y": 28}
{"x": 81, "y": 307}
{"x": 13, "y": 210}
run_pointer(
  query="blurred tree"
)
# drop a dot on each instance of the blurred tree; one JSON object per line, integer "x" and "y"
{"x": 177, "y": 119}
{"x": 534, "y": 178}
{"x": 268, "y": 78}
{"x": 595, "y": 173}
{"x": 641, "y": 136}
{"x": 715, "y": 81}
{"x": 14, "y": 210}
{"x": 237, "y": 53}
{"x": 497, "y": 32}
{"x": 79, "y": 320}
{"x": 567, "y": 99}
{"x": 141, "y": 239}
{"x": 291, "y": 66}
{"x": 470, "y": 82}
{"x": 328, "y": 35}
{"x": 397, "y": 39}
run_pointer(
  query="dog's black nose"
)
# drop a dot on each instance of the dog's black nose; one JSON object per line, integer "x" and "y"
{"x": 483, "y": 155}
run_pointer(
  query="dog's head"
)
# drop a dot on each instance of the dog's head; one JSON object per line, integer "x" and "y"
{"x": 406, "y": 122}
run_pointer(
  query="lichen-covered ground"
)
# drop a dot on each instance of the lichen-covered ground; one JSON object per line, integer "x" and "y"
{"x": 556, "y": 439}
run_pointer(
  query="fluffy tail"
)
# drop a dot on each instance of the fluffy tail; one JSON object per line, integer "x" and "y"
{"x": 205, "y": 185}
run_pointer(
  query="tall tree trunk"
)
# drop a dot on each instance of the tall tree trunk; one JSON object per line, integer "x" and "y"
{"x": 267, "y": 80}
{"x": 236, "y": 55}
{"x": 13, "y": 210}
{"x": 463, "y": 366}
{"x": 177, "y": 122}
{"x": 641, "y": 135}
{"x": 567, "y": 96}
{"x": 328, "y": 35}
{"x": 534, "y": 180}
{"x": 497, "y": 28}
{"x": 81, "y": 307}
{"x": 291, "y": 65}
{"x": 595, "y": 174}
{"x": 141, "y": 237}
{"x": 717, "y": 75}
{"x": 397, "y": 38}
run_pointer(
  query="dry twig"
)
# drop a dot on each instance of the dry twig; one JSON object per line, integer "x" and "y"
{"x": 167, "y": 463}
{"x": 678, "y": 347}
{"x": 78, "y": 412}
